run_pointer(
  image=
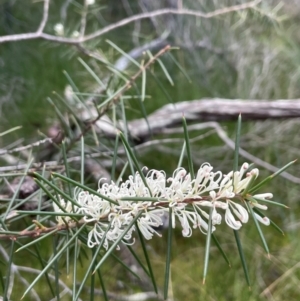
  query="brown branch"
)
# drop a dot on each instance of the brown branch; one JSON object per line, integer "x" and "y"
{"x": 22, "y": 148}
{"x": 38, "y": 231}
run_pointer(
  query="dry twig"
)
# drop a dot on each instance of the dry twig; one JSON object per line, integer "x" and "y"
{"x": 39, "y": 34}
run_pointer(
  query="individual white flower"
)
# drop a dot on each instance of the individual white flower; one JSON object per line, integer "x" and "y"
{"x": 216, "y": 218}
{"x": 75, "y": 34}
{"x": 179, "y": 186}
{"x": 187, "y": 217}
{"x": 92, "y": 206}
{"x": 260, "y": 206}
{"x": 96, "y": 235}
{"x": 264, "y": 220}
{"x": 89, "y": 2}
{"x": 243, "y": 184}
{"x": 231, "y": 221}
{"x": 69, "y": 94}
{"x": 238, "y": 181}
{"x": 235, "y": 183}
{"x": 263, "y": 196}
{"x": 59, "y": 29}
{"x": 68, "y": 208}
{"x": 134, "y": 187}
{"x": 240, "y": 212}
{"x": 183, "y": 215}
{"x": 156, "y": 181}
{"x": 147, "y": 223}
{"x": 117, "y": 225}
{"x": 205, "y": 180}
{"x": 260, "y": 197}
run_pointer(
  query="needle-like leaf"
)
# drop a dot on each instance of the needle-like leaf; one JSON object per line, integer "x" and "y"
{"x": 207, "y": 245}
{"x": 188, "y": 148}
{"x": 168, "y": 257}
{"x": 58, "y": 254}
{"x": 242, "y": 256}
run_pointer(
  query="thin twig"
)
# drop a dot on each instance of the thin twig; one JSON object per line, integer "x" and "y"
{"x": 166, "y": 11}
{"x": 126, "y": 87}
{"x": 22, "y": 148}
{"x": 45, "y": 17}
{"x": 83, "y": 20}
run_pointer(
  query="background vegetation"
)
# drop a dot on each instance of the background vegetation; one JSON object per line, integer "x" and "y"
{"x": 246, "y": 54}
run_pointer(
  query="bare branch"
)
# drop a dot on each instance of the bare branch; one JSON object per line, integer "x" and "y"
{"x": 45, "y": 17}
{"x": 214, "y": 109}
{"x": 39, "y": 34}
{"x": 22, "y": 148}
{"x": 30, "y": 35}
{"x": 170, "y": 11}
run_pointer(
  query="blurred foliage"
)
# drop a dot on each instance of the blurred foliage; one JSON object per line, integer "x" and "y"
{"x": 252, "y": 54}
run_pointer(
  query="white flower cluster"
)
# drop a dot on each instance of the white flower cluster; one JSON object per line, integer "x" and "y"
{"x": 191, "y": 201}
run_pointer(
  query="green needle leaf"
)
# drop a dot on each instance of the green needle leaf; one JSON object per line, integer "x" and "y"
{"x": 102, "y": 285}
{"x": 86, "y": 188}
{"x": 55, "y": 188}
{"x": 10, "y": 262}
{"x": 114, "y": 162}
{"x": 262, "y": 237}
{"x": 207, "y": 245}
{"x": 9, "y": 207}
{"x": 66, "y": 164}
{"x": 164, "y": 69}
{"x": 237, "y": 144}
{"x": 220, "y": 249}
{"x": 188, "y": 148}
{"x": 125, "y": 266}
{"x": 37, "y": 240}
{"x": 271, "y": 177}
{"x": 168, "y": 258}
{"x": 255, "y": 200}
{"x": 272, "y": 223}
{"x": 124, "y": 53}
{"x": 52, "y": 261}
{"x": 92, "y": 73}
{"x": 135, "y": 161}
{"x": 242, "y": 256}
{"x": 138, "y": 260}
{"x": 147, "y": 259}
{"x": 143, "y": 91}
{"x": 92, "y": 263}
